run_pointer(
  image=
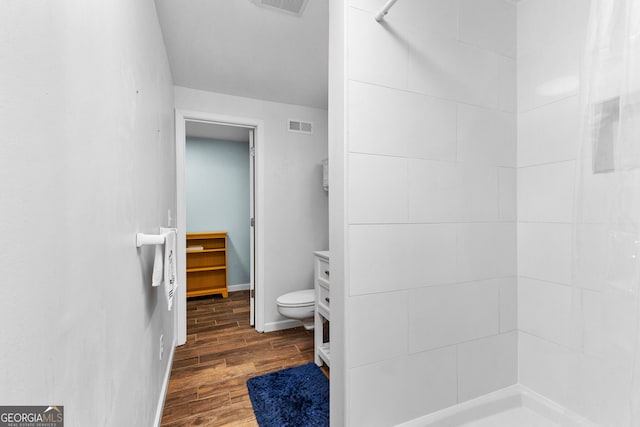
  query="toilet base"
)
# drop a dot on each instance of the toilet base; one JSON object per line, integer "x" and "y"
{"x": 309, "y": 326}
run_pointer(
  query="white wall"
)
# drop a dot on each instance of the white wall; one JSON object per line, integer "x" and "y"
{"x": 86, "y": 161}
{"x": 430, "y": 140}
{"x": 295, "y": 205}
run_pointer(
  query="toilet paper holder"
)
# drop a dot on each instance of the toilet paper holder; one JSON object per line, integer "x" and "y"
{"x": 149, "y": 239}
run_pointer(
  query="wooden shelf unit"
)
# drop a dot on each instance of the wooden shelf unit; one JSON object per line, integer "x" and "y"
{"x": 207, "y": 264}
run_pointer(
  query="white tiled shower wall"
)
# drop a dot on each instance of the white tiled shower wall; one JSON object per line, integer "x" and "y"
{"x": 569, "y": 348}
{"x": 550, "y": 40}
{"x": 445, "y": 213}
{"x": 431, "y": 202}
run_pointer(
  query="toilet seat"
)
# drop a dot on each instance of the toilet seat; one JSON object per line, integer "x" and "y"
{"x": 302, "y": 298}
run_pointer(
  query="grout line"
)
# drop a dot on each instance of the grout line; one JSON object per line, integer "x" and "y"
{"x": 555, "y": 162}
{"x": 564, "y": 98}
{"x": 466, "y": 222}
{"x": 435, "y": 97}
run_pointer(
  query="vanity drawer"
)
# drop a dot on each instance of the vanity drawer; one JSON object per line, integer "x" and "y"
{"x": 324, "y": 298}
{"x": 322, "y": 270}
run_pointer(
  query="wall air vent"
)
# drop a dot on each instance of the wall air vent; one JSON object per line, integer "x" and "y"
{"x": 300, "y": 126}
{"x": 290, "y": 7}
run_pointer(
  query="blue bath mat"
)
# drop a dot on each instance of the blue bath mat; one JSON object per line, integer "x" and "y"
{"x": 293, "y": 397}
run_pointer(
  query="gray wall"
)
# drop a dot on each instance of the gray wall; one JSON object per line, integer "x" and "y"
{"x": 217, "y": 186}
{"x": 86, "y": 161}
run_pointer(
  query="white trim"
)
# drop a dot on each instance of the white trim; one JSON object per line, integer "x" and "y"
{"x": 281, "y": 324}
{"x": 240, "y": 287}
{"x": 510, "y": 397}
{"x": 181, "y": 225}
{"x": 252, "y": 228}
{"x": 165, "y": 385}
{"x": 181, "y": 222}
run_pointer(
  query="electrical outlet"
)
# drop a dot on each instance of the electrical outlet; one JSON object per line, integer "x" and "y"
{"x": 161, "y": 345}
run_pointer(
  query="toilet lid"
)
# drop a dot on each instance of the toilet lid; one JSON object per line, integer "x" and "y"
{"x": 297, "y": 298}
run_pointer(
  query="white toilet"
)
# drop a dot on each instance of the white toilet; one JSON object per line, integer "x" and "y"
{"x": 299, "y": 305}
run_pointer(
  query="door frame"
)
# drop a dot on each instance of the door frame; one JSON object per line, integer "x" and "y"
{"x": 181, "y": 117}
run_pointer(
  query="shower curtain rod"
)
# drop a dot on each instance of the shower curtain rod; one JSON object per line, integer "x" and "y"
{"x": 384, "y": 10}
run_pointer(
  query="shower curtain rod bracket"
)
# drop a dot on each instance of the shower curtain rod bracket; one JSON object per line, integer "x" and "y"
{"x": 385, "y": 9}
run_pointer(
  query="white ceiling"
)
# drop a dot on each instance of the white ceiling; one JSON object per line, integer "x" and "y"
{"x": 235, "y": 47}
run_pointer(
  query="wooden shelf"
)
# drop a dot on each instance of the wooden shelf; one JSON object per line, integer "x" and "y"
{"x": 207, "y": 264}
{"x": 199, "y": 251}
{"x": 192, "y": 270}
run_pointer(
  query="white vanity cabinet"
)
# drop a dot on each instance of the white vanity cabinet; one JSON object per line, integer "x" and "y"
{"x": 323, "y": 308}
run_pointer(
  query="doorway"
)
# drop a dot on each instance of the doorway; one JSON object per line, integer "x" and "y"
{"x": 211, "y": 126}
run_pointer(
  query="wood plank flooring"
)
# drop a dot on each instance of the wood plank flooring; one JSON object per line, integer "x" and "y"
{"x": 209, "y": 373}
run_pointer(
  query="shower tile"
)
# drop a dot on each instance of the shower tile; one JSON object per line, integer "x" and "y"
{"x": 508, "y": 303}
{"x": 450, "y": 314}
{"x": 610, "y": 325}
{"x": 591, "y": 256}
{"x": 489, "y": 24}
{"x": 376, "y": 386}
{"x": 545, "y": 192}
{"x": 507, "y": 194}
{"x": 544, "y": 366}
{"x": 378, "y": 189}
{"x": 550, "y": 133}
{"x": 593, "y": 324}
{"x": 452, "y": 70}
{"x": 598, "y": 390}
{"x": 434, "y": 189}
{"x": 378, "y": 319}
{"x": 428, "y": 382}
{"x": 375, "y": 55}
{"x": 431, "y": 67}
{"x": 543, "y": 22}
{"x": 486, "y": 136}
{"x": 486, "y": 250}
{"x": 544, "y": 310}
{"x": 507, "y": 89}
{"x": 548, "y": 75}
{"x": 478, "y": 198}
{"x": 544, "y": 251}
{"x": 599, "y": 192}
{"x": 394, "y": 257}
{"x": 399, "y": 123}
{"x": 486, "y": 365}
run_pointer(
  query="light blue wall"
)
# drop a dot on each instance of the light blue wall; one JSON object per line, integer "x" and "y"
{"x": 217, "y": 183}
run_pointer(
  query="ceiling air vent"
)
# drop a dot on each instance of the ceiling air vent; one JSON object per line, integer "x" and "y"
{"x": 300, "y": 126}
{"x": 290, "y": 7}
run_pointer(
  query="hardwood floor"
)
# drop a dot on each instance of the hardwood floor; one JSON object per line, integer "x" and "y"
{"x": 209, "y": 373}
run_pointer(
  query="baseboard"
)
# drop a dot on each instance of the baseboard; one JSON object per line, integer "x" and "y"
{"x": 281, "y": 324}
{"x": 240, "y": 287}
{"x": 165, "y": 385}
